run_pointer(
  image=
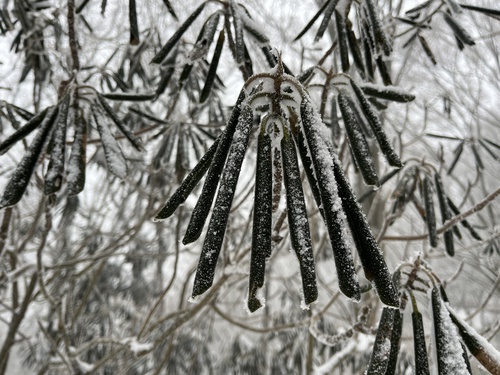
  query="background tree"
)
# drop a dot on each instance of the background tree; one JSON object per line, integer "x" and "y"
{"x": 113, "y": 115}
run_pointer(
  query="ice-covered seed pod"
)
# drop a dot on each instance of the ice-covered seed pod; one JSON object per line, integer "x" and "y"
{"x": 445, "y": 215}
{"x": 379, "y": 359}
{"x": 430, "y": 215}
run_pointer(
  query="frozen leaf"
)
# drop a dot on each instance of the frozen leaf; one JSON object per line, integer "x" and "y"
{"x": 297, "y": 218}
{"x": 445, "y": 214}
{"x": 388, "y": 93}
{"x": 21, "y": 177}
{"x": 397, "y": 330}
{"x": 430, "y": 215}
{"x": 448, "y": 348}
{"x": 383, "y": 69}
{"x": 202, "y": 208}
{"x": 355, "y": 49}
{"x": 238, "y": 33}
{"x": 189, "y": 183}
{"x": 464, "y": 222}
{"x": 419, "y": 345}
{"x": 262, "y": 219}
{"x": 329, "y": 201}
{"x": 311, "y": 22}
{"x": 340, "y": 22}
{"x": 134, "y": 28}
{"x": 160, "y": 56}
{"x": 487, "y": 11}
{"x": 376, "y": 126}
{"x": 456, "y": 155}
{"x": 205, "y": 38}
{"x": 369, "y": 253}
{"x": 115, "y": 160}
{"x": 170, "y": 9}
{"x": 382, "y": 346}
{"x": 78, "y": 158}
{"x": 136, "y": 142}
{"x": 380, "y": 36}
{"x": 55, "y": 170}
{"x": 212, "y": 70}
{"x": 458, "y": 30}
{"x": 357, "y": 140}
{"x": 23, "y": 131}
{"x": 326, "y": 19}
{"x": 479, "y": 347}
{"x": 131, "y": 97}
{"x": 217, "y": 225}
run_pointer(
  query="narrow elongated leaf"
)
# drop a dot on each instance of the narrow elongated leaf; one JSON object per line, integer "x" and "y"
{"x": 371, "y": 258}
{"x": 23, "y": 131}
{"x": 448, "y": 348}
{"x": 202, "y": 208}
{"x": 238, "y": 34}
{"x": 262, "y": 219}
{"x": 311, "y": 22}
{"x": 297, "y": 218}
{"x": 357, "y": 140}
{"x": 21, "y": 177}
{"x": 217, "y": 225}
{"x": 427, "y": 49}
{"x": 464, "y": 222}
{"x": 134, "y": 28}
{"x": 419, "y": 345}
{"x": 445, "y": 215}
{"x": 189, "y": 183}
{"x": 479, "y": 347}
{"x": 326, "y": 19}
{"x": 376, "y": 125}
{"x": 368, "y": 53}
{"x": 170, "y": 9}
{"x": 355, "y": 49}
{"x": 330, "y": 203}
{"x": 379, "y": 359}
{"x": 340, "y": 22}
{"x": 182, "y": 158}
{"x": 136, "y": 142}
{"x": 487, "y": 11}
{"x": 397, "y": 330}
{"x": 488, "y": 150}
{"x": 131, "y": 97}
{"x": 166, "y": 76}
{"x": 388, "y": 93}
{"x": 160, "y": 56}
{"x": 205, "y": 38}
{"x": 430, "y": 215}
{"x": 380, "y": 36}
{"x": 55, "y": 170}
{"x": 458, "y": 30}
{"x": 456, "y": 156}
{"x": 384, "y": 71}
{"x": 212, "y": 70}
{"x": 78, "y": 158}
{"x": 115, "y": 160}
{"x": 477, "y": 157}
{"x": 420, "y": 7}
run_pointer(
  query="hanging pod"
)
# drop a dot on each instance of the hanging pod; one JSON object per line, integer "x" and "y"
{"x": 419, "y": 345}
{"x": 204, "y": 204}
{"x": 464, "y": 222}
{"x": 311, "y": 22}
{"x": 371, "y": 258}
{"x": 262, "y": 218}
{"x": 460, "y": 33}
{"x": 379, "y": 359}
{"x": 77, "y": 161}
{"x": 205, "y": 37}
{"x": 340, "y": 22}
{"x": 134, "y": 28}
{"x": 397, "y": 329}
{"x": 238, "y": 33}
{"x": 330, "y": 203}
{"x": 21, "y": 177}
{"x": 430, "y": 216}
{"x": 297, "y": 218}
{"x": 55, "y": 170}
{"x": 326, "y": 19}
{"x": 445, "y": 215}
{"x": 217, "y": 225}
{"x": 376, "y": 126}
{"x": 381, "y": 38}
{"x": 212, "y": 70}
{"x": 479, "y": 347}
{"x": 357, "y": 140}
{"x": 448, "y": 348}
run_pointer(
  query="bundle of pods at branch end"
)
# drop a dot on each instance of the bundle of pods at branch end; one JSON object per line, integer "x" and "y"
{"x": 289, "y": 122}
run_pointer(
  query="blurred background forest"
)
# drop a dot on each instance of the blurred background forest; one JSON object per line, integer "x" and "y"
{"x": 140, "y": 91}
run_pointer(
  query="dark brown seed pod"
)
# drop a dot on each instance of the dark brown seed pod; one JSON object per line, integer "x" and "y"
{"x": 212, "y": 70}
{"x": 124, "y": 97}
{"x": 202, "y": 208}
{"x": 262, "y": 219}
{"x": 217, "y": 225}
{"x": 166, "y": 76}
{"x": 134, "y": 28}
{"x": 445, "y": 215}
{"x": 181, "y": 158}
{"x": 456, "y": 155}
{"x": 369, "y": 253}
{"x": 397, "y": 330}
{"x": 376, "y": 125}
{"x": 477, "y": 157}
{"x": 420, "y": 7}
{"x": 297, "y": 218}
{"x": 136, "y": 142}
{"x": 160, "y": 56}
{"x": 379, "y": 359}
{"x": 427, "y": 49}
{"x": 170, "y": 9}
{"x": 78, "y": 158}
{"x": 23, "y": 131}
{"x": 380, "y": 36}
{"x": 464, "y": 222}
{"x": 330, "y": 203}
{"x": 326, "y": 19}
{"x": 487, "y": 11}
{"x": 340, "y": 22}
{"x": 419, "y": 345}
{"x": 238, "y": 34}
{"x": 479, "y": 347}
{"x": 205, "y": 37}
{"x": 458, "y": 30}
{"x": 448, "y": 350}
{"x": 18, "y": 183}
{"x": 388, "y": 93}
{"x": 430, "y": 215}
{"x": 189, "y": 183}
{"x": 55, "y": 170}
{"x": 383, "y": 69}
{"x": 355, "y": 48}
{"x": 357, "y": 140}
{"x": 311, "y": 22}
{"x": 115, "y": 160}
